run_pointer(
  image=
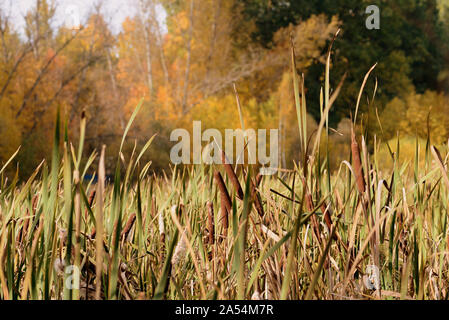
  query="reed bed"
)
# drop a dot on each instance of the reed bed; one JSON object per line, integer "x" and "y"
{"x": 208, "y": 232}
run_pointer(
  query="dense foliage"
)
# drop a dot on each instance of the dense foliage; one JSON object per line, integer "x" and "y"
{"x": 411, "y": 46}
{"x": 185, "y": 68}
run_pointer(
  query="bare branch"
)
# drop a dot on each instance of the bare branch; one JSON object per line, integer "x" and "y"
{"x": 44, "y": 71}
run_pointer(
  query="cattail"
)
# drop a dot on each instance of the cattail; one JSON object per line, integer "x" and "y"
{"x": 226, "y": 203}
{"x": 358, "y": 169}
{"x": 180, "y": 250}
{"x": 232, "y": 176}
{"x": 210, "y": 223}
{"x": 128, "y": 226}
{"x": 92, "y": 197}
{"x": 223, "y": 190}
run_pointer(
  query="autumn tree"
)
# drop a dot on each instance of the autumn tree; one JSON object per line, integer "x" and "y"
{"x": 409, "y": 47}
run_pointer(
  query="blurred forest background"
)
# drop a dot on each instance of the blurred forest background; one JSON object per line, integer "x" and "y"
{"x": 186, "y": 66}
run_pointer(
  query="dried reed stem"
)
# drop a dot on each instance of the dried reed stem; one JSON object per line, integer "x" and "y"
{"x": 357, "y": 164}
{"x": 210, "y": 223}
{"x": 99, "y": 225}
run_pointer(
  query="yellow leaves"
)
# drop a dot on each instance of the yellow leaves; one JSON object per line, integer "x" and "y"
{"x": 136, "y": 93}
{"x": 407, "y": 149}
{"x": 190, "y": 68}
{"x": 182, "y": 21}
{"x": 309, "y": 38}
{"x": 411, "y": 114}
{"x": 218, "y": 112}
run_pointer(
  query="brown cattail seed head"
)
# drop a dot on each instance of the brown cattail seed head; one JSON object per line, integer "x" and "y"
{"x": 223, "y": 190}
{"x": 129, "y": 225}
{"x": 232, "y": 176}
